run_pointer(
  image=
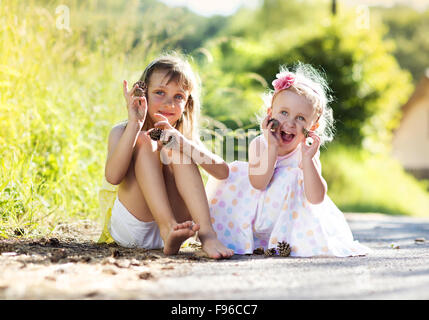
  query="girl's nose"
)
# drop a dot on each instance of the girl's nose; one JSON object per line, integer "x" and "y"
{"x": 168, "y": 102}
{"x": 288, "y": 123}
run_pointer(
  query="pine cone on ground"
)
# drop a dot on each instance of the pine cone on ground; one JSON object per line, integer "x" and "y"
{"x": 283, "y": 248}
{"x": 259, "y": 250}
{"x": 270, "y": 252}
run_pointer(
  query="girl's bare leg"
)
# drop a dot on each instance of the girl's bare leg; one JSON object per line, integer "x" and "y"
{"x": 191, "y": 188}
{"x": 150, "y": 178}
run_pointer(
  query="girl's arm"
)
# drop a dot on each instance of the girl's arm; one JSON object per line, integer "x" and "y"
{"x": 120, "y": 150}
{"x": 122, "y": 140}
{"x": 262, "y": 161}
{"x": 200, "y": 155}
{"x": 315, "y": 186}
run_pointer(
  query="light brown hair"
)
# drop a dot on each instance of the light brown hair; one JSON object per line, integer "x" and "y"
{"x": 178, "y": 69}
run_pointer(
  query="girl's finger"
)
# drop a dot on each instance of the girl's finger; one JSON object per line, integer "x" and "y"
{"x": 268, "y": 125}
{"x": 164, "y": 121}
{"x": 134, "y": 99}
{"x": 158, "y": 115}
{"x": 162, "y": 125}
{"x": 125, "y": 86}
{"x": 165, "y": 135}
{"x": 265, "y": 122}
{"x": 131, "y": 92}
{"x": 143, "y": 101}
{"x": 312, "y": 134}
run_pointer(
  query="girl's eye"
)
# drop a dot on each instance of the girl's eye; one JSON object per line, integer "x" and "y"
{"x": 284, "y": 113}
{"x": 301, "y": 118}
{"x": 180, "y": 97}
{"x": 159, "y": 92}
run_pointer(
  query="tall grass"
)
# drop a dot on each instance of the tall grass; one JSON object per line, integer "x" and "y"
{"x": 60, "y": 95}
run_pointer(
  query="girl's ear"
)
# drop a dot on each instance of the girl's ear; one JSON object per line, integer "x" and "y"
{"x": 270, "y": 111}
{"x": 315, "y": 126}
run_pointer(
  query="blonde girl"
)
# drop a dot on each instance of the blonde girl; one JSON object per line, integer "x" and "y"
{"x": 279, "y": 198}
{"x": 161, "y": 200}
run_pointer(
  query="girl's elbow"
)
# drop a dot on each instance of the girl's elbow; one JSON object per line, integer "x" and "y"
{"x": 112, "y": 179}
{"x": 221, "y": 171}
{"x": 257, "y": 185}
{"x": 317, "y": 199}
{"x": 224, "y": 173}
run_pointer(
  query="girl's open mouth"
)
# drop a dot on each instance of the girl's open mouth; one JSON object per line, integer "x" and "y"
{"x": 287, "y": 137}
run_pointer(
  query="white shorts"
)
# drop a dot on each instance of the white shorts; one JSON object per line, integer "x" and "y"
{"x": 129, "y": 232}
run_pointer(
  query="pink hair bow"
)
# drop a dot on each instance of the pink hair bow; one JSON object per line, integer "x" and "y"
{"x": 284, "y": 80}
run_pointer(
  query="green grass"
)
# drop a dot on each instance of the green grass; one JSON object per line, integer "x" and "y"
{"x": 362, "y": 182}
{"x": 60, "y": 95}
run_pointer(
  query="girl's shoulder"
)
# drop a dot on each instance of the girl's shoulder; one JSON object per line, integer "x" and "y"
{"x": 117, "y": 131}
{"x": 120, "y": 125}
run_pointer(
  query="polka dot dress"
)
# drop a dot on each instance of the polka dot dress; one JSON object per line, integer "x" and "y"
{"x": 245, "y": 218}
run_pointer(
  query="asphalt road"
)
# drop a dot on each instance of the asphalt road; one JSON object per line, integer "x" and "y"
{"x": 397, "y": 268}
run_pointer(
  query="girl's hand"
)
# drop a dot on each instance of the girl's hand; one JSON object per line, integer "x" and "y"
{"x": 270, "y": 136}
{"x": 171, "y": 137}
{"x": 137, "y": 106}
{"x": 309, "y": 151}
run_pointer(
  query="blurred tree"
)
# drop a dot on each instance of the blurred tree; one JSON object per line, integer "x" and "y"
{"x": 409, "y": 29}
{"x": 368, "y": 85}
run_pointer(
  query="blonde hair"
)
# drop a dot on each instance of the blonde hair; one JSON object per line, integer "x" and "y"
{"x": 311, "y": 84}
{"x": 178, "y": 69}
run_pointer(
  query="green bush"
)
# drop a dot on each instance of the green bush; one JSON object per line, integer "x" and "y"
{"x": 367, "y": 84}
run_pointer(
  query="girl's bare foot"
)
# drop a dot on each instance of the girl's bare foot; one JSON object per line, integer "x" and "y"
{"x": 214, "y": 248}
{"x": 179, "y": 233}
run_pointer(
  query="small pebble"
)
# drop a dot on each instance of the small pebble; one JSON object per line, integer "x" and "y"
{"x": 122, "y": 263}
{"x": 110, "y": 271}
{"x": 9, "y": 254}
{"x": 145, "y": 276}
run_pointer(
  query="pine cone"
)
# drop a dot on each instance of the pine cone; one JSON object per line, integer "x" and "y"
{"x": 155, "y": 134}
{"x": 270, "y": 252}
{"x": 306, "y": 132}
{"x": 259, "y": 250}
{"x": 283, "y": 249}
{"x": 276, "y": 124}
{"x": 140, "y": 91}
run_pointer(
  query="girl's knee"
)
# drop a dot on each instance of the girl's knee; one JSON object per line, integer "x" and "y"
{"x": 145, "y": 148}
